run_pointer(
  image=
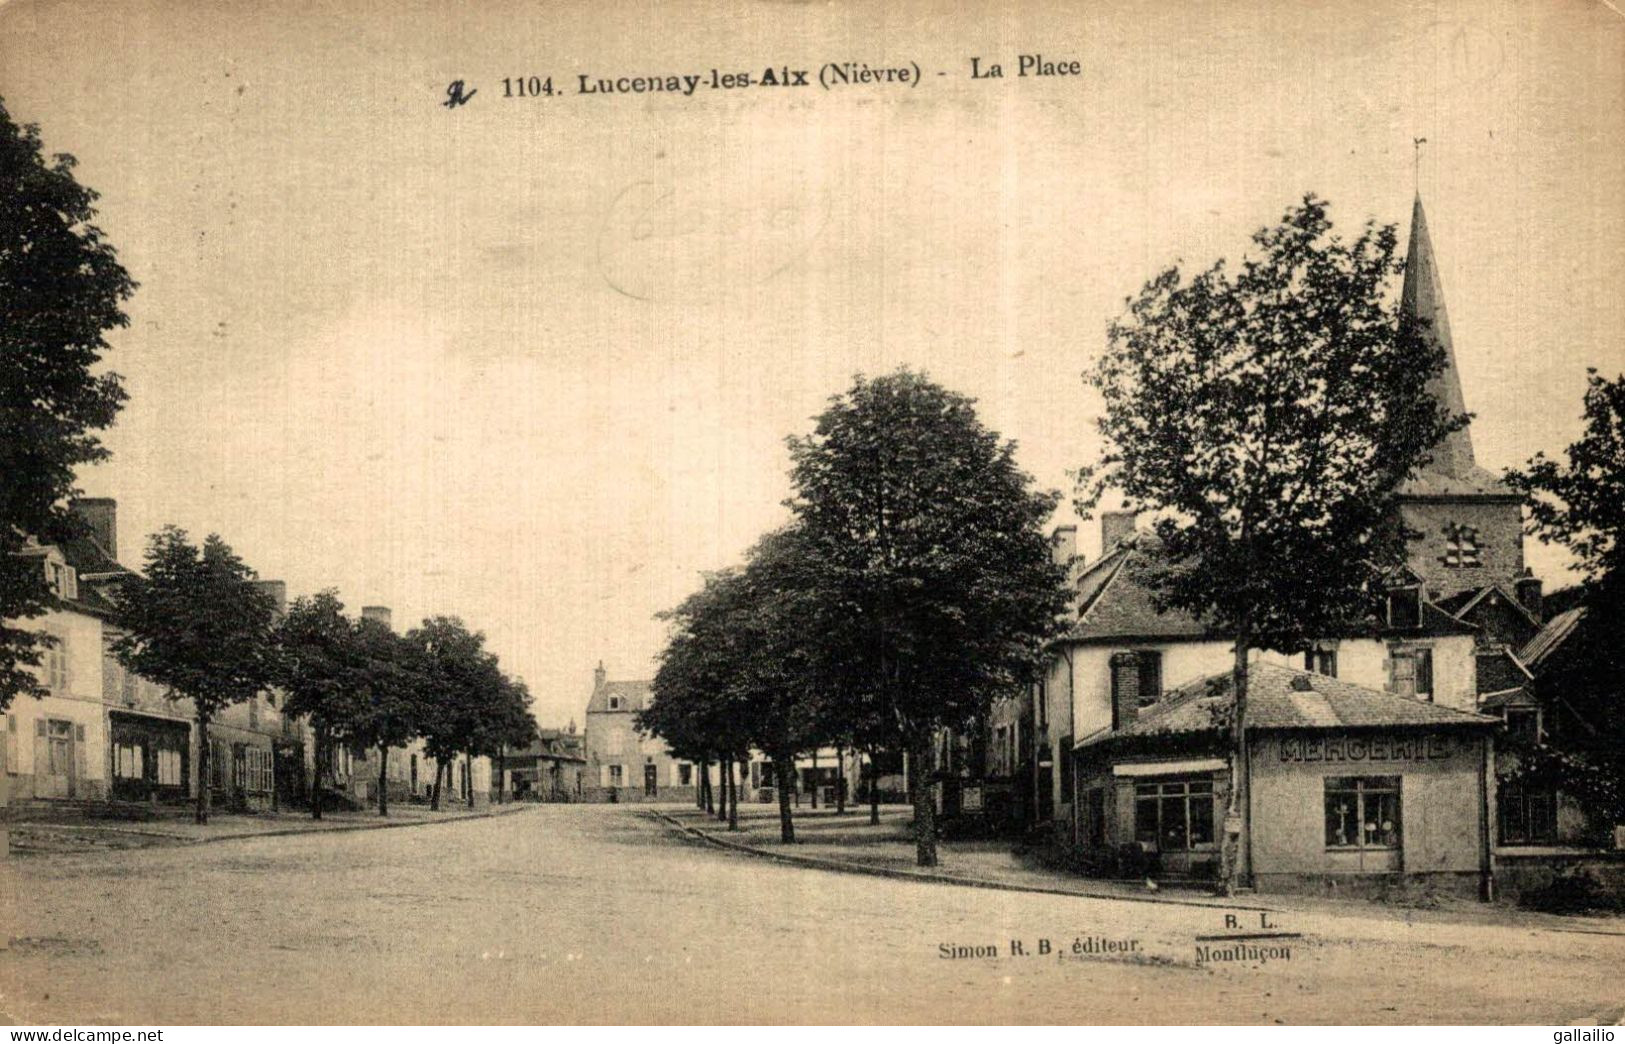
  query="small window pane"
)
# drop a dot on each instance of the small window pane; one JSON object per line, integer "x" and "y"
{"x": 1145, "y": 821}
{"x": 1201, "y": 818}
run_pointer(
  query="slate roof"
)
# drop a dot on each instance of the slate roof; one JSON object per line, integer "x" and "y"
{"x": 1550, "y": 637}
{"x": 1284, "y": 698}
{"x": 1115, "y": 599}
{"x": 634, "y": 696}
{"x": 1115, "y": 602}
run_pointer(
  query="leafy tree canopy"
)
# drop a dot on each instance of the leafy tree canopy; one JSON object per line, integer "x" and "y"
{"x": 1270, "y": 413}
{"x": 197, "y": 623}
{"x": 61, "y": 289}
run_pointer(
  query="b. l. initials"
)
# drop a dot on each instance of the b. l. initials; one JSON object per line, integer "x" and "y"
{"x": 1230, "y": 921}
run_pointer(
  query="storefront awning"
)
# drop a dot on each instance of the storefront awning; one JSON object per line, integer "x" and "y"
{"x": 1169, "y": 768}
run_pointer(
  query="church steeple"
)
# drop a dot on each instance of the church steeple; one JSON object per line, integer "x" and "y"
{"x": 1423, "y": 298}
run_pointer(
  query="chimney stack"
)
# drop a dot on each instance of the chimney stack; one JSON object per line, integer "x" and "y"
{"x": 1125, "y": 689}
{"x": 101, "y": 515}
{"x": 599, "y": 676}
{"x": 1064, "y": 545}
{"x": 379, "y": 613}
{"x": 278, "y": 592}
{"x": 1115, "y": 527}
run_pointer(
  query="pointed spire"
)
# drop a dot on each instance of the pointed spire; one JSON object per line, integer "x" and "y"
{"x": 1423, "y": 298}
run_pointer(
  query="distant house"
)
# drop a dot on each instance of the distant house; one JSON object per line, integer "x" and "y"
{"x": 552, "y": 768}
{"x": 621, "y": 763}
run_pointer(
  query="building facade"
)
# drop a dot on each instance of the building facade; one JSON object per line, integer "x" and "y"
{"x": 621, "y": 764}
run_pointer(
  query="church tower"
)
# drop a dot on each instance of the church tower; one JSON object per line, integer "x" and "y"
{"x": 1469, "y": 525}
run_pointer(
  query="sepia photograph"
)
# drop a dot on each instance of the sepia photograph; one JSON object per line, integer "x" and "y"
{"x": 787, "y": 513}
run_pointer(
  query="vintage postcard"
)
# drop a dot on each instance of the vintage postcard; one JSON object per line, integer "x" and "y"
{"x": 801, "y": 513}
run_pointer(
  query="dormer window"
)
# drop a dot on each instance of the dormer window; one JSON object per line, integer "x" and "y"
{"x": 614, "y": 703}
{"x": 62, "y": 579}
{"x": 1461, "y": 547}
{"x": 1405, "y": 607}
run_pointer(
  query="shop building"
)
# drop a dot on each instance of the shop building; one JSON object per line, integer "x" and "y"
{"x": 1351, "y": 787}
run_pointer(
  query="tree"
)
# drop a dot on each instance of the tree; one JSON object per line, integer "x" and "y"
{"x": 1270, "y": 417}
{"x": 934, "y": 586}
{"x": 506, "y": 722}
{"x": 457, "y": 674}
{"x": 321, "y": 668}
{"x": 197, "y": 623}
{"x": 1579, "y": 503}
{"x": 390, "y": 689}
{"x": 61, "y": 291}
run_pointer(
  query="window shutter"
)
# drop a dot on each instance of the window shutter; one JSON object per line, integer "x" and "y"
{"x": 39, "y": 726}
{"x": 79, "y": 752}
{"x": 1424, "y": 671}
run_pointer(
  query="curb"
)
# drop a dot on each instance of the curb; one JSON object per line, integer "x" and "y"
{"x": 180, "y": 840}
{"x": 845, "y": 867}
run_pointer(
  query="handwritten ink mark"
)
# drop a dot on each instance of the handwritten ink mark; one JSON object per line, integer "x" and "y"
{"x": 455, "y": 95}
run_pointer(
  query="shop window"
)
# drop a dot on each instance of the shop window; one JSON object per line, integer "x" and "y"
{"x": 1410, "y": 670}
{"x": 1174, "y": 816}
{"x": 169, "y": 768}
{"x": 1526, "y": 815}
{"x": 127, "y": 761}
{"x": 1362, "y": 812}
{"x": 1321, "y": 659}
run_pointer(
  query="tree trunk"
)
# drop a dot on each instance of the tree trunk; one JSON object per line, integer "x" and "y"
{"x": 874, "y": 788}
{"x": 1235, "y": 825}
{"x": 202, "y": 815}
{"x": 318, "y": 752}
{"x": 840, "y": 780}
{"x": 925, "y": 812}
{"x": 704, "y": 769}
{"x": 434, "y": 791}
{"x": 468, "y": 776}
{"x": 383, "y": 779}
{"x": 733, "y": 797}
{"x": 725, "y": 766}
{"x": 784, "y": 767}
{"x": 710, "y": 797}
{"x": 502, "y": 773}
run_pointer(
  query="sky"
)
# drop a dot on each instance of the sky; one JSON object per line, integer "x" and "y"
{"x": 533, "y": 361}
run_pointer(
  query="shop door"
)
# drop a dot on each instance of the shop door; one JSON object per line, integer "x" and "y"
{"x": 650, "y": 780}
{"x": 58, "y": 745}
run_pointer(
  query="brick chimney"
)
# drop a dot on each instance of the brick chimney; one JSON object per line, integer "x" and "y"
{"x": 1115, "y": 527}
{"x": 1531, "y": 594}
{"x": 101, "y": 515}
{"x": 379, "y": 613}
{"x": 599, "y": 676}
{"x": 1125, "y": 689}
{"x": 1064, "y": 545}
{"x": 278, "y": 592}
